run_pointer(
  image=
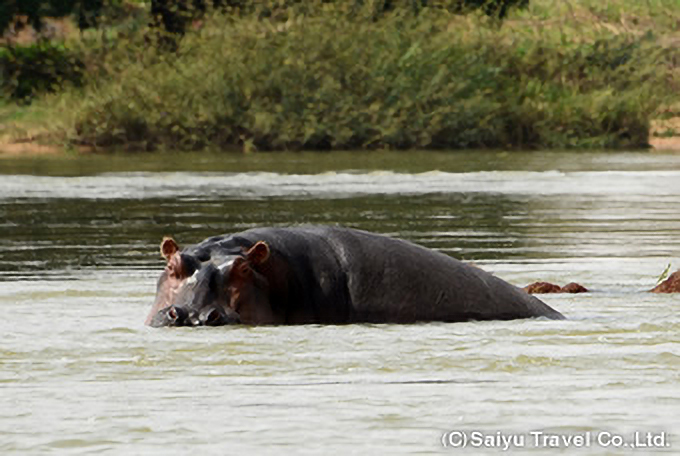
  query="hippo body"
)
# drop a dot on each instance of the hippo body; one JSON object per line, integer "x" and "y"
{"x": 670, "y": 285}
{"x": 547, "y": 287}
{"x": 328, "y": 275}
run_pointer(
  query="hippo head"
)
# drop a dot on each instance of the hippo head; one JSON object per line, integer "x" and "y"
{"x": 213, "y": 292}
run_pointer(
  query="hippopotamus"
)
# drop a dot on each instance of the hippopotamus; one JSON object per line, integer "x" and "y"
{"x": 670, "y": 285}
{"x": 327, "y": 275}
{"x": 547, "y": 287}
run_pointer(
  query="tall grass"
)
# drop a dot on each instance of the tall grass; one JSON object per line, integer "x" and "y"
{"x": 436, "y": 80}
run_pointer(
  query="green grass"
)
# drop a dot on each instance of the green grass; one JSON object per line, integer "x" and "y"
{"x": 22, "y": 121}
{"x": 664, "y": 275}
{"x": 582, "y": 74}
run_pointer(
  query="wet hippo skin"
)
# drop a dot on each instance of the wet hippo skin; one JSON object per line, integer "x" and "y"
{"x": 547, "y": 287}
{"x": 670, "y": 285}
{"x": 327, "y": 275}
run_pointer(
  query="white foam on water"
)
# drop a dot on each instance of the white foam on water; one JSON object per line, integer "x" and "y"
{"x": 340, "y": 184}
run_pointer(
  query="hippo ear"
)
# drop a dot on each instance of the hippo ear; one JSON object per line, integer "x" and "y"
{"x": 258, "y": 254}
{"x": 168, "y": 247}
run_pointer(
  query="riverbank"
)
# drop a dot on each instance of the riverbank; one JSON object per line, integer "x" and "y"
{"x": 33, "y": 148}
{"x": 665, "y": 134}
{"x": 555, "y": 76}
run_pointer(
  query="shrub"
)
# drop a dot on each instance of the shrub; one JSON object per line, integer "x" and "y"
{"x": 413, "y": 82}
{"x": 175, "y": 15}
{"x": 36, "y": 10}
{"x": 42, "y": 67}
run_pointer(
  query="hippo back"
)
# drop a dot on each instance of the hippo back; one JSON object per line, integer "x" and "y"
{"x": 341, "y": 275}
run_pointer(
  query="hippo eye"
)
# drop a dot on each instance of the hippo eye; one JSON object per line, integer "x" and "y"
{"x": 174, "y": 270}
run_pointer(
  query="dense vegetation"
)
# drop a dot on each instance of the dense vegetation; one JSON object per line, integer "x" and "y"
{"x": 14, "y": 12}
{"x": 42, "y": 67}
{"x": 324, "y": 75}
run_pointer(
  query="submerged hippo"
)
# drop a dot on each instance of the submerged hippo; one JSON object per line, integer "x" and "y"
{"x": 327, "y": 275}
{"x": 547, "y": 287}
{"x": 670, "y": 285}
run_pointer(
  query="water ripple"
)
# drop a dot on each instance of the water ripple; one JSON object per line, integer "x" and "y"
{"x": 663, "y": 184}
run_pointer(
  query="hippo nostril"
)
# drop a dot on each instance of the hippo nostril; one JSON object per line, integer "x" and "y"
{"x": 177, "y": 316}
{"x": 211, "y": 317}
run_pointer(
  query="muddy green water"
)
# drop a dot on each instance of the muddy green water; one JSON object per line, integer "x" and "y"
{"x": 80, "y": 374}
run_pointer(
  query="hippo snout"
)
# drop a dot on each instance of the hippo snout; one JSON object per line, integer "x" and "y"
{"x": 171, "y": 316}
{"x": 181, "y": 316}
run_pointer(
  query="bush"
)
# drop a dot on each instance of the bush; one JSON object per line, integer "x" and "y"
{"x": 175, "y": 15}
{"x": 413, "y": 82}
{"x": 34, "y": 11}
{"x": 29, "y": 70}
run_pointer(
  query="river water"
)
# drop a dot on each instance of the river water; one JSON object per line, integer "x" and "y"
{"x": 80, "y": 374}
